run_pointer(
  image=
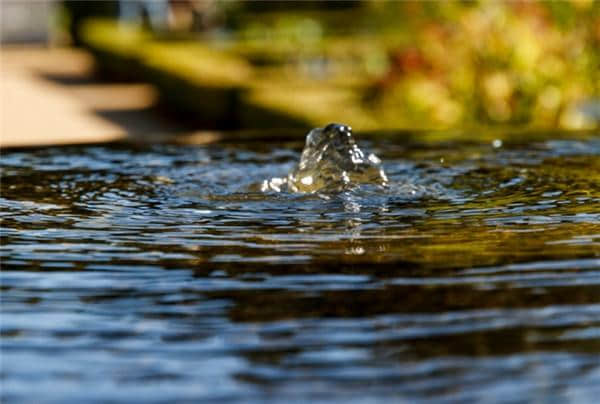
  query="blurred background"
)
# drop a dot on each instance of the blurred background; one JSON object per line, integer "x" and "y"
{"x": 262, "y": 65}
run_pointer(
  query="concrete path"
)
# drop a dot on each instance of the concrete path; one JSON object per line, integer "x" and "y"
{"x": 49, "y": 97}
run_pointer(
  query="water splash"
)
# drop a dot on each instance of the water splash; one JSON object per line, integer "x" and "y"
{"x": 331, "y": 162}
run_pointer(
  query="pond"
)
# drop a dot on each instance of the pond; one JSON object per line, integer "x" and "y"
{"x": 163, "y": 274}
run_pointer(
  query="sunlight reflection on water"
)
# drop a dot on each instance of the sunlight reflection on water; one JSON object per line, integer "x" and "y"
{"x": 163, "y": 274}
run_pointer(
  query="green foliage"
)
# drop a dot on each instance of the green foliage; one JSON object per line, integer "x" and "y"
{"x": 426, "y": 65}
{"x": 451, "y": 64}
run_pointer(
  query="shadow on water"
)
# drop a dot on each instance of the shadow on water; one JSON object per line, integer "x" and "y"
{"x": 476, "y": 274}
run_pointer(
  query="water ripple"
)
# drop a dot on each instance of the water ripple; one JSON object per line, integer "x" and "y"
{"x": 162, "y": 273}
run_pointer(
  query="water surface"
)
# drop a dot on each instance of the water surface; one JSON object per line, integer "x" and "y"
{"x": 162, "y": 273}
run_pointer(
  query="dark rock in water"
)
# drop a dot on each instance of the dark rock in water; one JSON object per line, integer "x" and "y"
{"x": 331, "y": 162}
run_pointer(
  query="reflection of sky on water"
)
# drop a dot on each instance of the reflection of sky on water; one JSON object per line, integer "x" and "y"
{"x": 161, "y": 274}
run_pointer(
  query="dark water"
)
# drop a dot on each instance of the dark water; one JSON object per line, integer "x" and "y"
{"x": 160, "y": 274}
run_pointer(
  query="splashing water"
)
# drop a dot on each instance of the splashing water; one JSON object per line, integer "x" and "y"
{"x": 331, "y": 162}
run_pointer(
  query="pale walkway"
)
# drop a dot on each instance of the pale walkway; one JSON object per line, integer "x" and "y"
{"x": 49, "y": 98}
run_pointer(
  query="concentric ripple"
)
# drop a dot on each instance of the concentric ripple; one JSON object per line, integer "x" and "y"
{"x": 164, "y": 274}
